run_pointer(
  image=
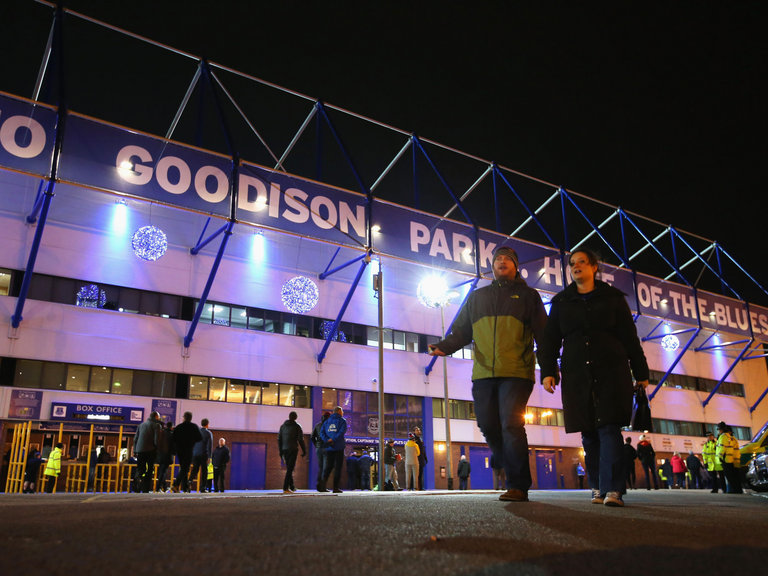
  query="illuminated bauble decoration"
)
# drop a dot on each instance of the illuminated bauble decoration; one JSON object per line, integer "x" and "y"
{"x": 149, "y": 243}
{"x": 90, "y": 296}
{"x": 433, "y": 292}
{"x": 670, "y": 342}
{"x": 300, "y": 295}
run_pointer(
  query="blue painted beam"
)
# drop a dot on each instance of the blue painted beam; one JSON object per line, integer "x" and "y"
{"x": 727, "y": 372}
{"x": 335, "y": 327}
{"x": 204, "y": 297}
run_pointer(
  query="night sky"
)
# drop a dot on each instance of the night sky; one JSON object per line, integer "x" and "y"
{"x": 657, "y": 107}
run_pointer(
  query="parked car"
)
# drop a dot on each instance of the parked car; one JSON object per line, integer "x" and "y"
{"x": 757, "y": 473}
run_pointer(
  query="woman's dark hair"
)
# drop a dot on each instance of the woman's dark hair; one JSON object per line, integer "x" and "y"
{"x": 592, "y": 257}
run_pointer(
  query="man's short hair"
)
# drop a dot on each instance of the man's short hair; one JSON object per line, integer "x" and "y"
{"x": 293, "y": 416}
{"x": 204, "y": 422}
{"x": 187, "y": 416}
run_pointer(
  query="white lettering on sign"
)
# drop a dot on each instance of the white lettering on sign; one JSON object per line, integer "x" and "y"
{"x": 32, "y": 129}
{"x": 211, "y": 184}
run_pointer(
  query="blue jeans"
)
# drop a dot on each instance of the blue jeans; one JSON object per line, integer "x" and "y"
{"x": 500, "y": 409}
{"x": 603, "y": 455}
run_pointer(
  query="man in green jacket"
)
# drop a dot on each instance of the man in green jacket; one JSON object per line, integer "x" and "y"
{"x": 502, "y": 319}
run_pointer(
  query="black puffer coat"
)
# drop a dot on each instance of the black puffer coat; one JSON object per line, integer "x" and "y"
{"x": 600, "y": 344}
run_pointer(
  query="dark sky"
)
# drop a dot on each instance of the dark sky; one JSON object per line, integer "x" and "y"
{"x": 658, "y": 107}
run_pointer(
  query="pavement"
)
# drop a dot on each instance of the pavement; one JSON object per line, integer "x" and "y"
{"x": 370, "y": 533}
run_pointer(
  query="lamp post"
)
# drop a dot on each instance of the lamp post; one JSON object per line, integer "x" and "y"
{"x": 433, "y": 293}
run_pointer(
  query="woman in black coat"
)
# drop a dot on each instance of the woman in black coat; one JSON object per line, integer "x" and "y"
{"x": 592, "y": 322}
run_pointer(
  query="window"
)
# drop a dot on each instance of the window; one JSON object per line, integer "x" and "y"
{"x": 285, "y": 394}
{"x": 101, "y": 379}
{"x": 5, "y": 281}
{"x": 269, "y": 394}
{"x": 29, "y": 374}
{"x": 236, "y": 391}
{"x": 252, "y": 394}
{"x": 238, "y": 318}
{"x": 217, "y": 389}
{"x": 77, "y": 378}
{"x": 220, "y": 314}
{"x": 122, "y": 381}
{"x": 198, "y": 388}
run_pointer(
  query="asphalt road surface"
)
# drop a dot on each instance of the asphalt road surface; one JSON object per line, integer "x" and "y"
{"x": 661, "y": 532}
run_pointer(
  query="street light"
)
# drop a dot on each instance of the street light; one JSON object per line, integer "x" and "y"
{"x": 433, "y": 292}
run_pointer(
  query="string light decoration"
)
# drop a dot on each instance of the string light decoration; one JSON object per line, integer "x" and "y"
{"x": 326, "y": 327}
{"x": 300, "y": 294}
{"x": 149, "y": 243}
{"x": 670, "y": 343}
{"x": 89, "y": 296}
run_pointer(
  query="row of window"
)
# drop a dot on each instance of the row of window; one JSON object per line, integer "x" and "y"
{"x": 700, "y": 429}
{"x": 69, "y": 291}
{"x": 685, "y": 382}
{"x": 109, "y": 297}
{"x": 402, "y": 413}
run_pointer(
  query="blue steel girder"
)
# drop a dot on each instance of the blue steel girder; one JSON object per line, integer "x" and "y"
{"x": 740, "y": 267}
{"x": 678, "y": 357}
{"x": 332, "y": 334}
{"x": 564, "y": 193}
{"x": 715, "y": 272}
{"x": 323, "y": 113}
{"x": 531, "y": 214}
{"x": 227, "y": 230}
{"x": 653, "y": 245}
{"x": 32, "y": 216}
{"x": 730, "y": 369}
{"x": 456, "y": 199}
{"x": 209, "y": 283}
{"x": 44, "y": 203}
{"x": 432, "y": 361}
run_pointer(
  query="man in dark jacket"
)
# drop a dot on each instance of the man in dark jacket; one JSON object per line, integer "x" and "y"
{"x": 503, "y": 320}
{"x": 220, "y": 458}
{"x": 145, "y": 449}
{"x": 630, "y": 455}
{"x": 422, "y": 455}
{"x": 164, "y": 456}
{"x": 463, "y": 472}
{"x": 647, "y": 456}
{"x": 201, "y": 456}
{"x": 694, "y": 467}
{"x": 185, "y": 436}
{"x": 332, "y": 433}
{"x": 317, "y": 441}
{"x": 289, "y": 438}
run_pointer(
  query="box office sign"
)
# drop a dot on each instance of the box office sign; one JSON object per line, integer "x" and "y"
{"x": 96, "y": 413}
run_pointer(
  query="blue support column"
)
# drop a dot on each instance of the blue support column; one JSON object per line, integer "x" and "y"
{"x": 46, "y": 204}
{"x": 428, "y": 437}
{"x": 204, "y": 297}
{"x": 727, "y": 372}
{"x": 335, "y": 327}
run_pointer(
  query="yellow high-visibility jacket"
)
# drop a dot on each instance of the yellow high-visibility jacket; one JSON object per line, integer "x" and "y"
{"x": 709, "y": 453}
{"x": 53, "y": 466}
{"x": 725, "y": 451}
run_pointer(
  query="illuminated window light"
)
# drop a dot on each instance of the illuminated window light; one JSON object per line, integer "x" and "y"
{"x": 670, "y": 343}
{"x": 528, "y": 417}
{"x": 149, "y": 243}
{"x": 300, "y": 295}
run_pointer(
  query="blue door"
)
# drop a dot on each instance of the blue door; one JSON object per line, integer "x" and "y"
{"x": 248, "y": 467}
{"x": 546, "y": 470}
{"x": 481, "y": 474}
